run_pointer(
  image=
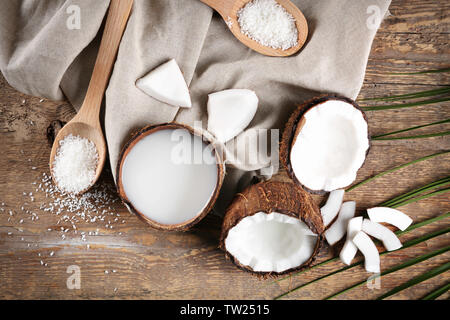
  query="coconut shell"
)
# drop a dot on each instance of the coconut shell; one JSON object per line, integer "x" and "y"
{"x": 130, "y": 144}
{"x": 294, "y": 125}
{"x": 273, "y": 196}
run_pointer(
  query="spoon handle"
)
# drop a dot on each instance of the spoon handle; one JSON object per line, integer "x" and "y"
{"x": 223, "y": 7}
{"x": 118, "y": 13}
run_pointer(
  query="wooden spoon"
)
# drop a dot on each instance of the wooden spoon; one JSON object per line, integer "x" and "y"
{"x": 228, "y": 10}
{"x": 86, "y": 123}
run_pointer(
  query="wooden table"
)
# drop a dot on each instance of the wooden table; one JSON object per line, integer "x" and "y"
{"x": 131, "y": 260}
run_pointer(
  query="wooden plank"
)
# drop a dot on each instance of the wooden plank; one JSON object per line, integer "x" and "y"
{"x": 156, "y": 265}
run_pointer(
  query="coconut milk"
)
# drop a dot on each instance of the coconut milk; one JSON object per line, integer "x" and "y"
{"x": 170, "y": 176}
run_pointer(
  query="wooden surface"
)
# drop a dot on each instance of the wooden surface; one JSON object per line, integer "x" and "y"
{"x": 155, "y": 265}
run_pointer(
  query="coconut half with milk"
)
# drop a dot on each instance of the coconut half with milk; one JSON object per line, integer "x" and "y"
{"x": 169, "y": 175}
{"x": 325, "y": 143}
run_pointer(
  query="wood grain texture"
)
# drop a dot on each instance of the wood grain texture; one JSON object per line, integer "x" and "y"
{"x": 150, "y": 264}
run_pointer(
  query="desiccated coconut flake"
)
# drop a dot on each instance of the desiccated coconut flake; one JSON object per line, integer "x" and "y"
{"x": 269, "y": 24}
{"x": 75, "y": 164}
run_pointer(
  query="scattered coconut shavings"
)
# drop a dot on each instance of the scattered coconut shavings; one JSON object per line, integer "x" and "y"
{"x": 92, "y": 207}
{"x": 269, "y": 24}
{"x": 229, "y": 22}
{"x": 75, "y": 164}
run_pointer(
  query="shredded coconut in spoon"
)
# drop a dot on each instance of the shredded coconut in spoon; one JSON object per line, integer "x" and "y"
{"x": 269, "y": 24}
{"x": 75, "y": 164}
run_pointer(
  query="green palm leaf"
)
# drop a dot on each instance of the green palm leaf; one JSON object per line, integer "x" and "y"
{"x": 410, "y": 129}
{"x": 406, "y": 105}
{"x": 395, "y": 169}
{"x": 421, "y": 136}
{"x": 396, "y": 268}
{"x": 437, "y": 293}
{"x": 407, "y": 244}
{"x": 420, "y": 72}
{"x": 423, "y": 277}
{"x": 414, "y": 95}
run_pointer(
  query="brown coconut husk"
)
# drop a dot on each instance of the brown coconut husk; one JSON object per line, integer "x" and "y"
{"x": 136, "y": 137}
{"x": 273, "y": 196}
{"x": 295, "y": 124}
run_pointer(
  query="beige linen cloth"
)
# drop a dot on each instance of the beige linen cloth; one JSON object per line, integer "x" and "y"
{"x": 40, "y": 55}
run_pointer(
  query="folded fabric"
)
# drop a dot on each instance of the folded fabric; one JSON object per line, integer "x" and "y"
{"x": 42, "y": 53}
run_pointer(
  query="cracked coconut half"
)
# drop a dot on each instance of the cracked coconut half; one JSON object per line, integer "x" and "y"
{"x": 325, "y": 142}
{"x": 272, "y": 228}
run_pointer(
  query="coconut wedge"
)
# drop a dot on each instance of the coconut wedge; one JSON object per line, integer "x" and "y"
{"x": 157, "y": 169}
{"x": 369, "y": 250}
{"x": 349, "y": 249}
{"x": 338, "y": 229}
{"x": 376, "y": 230}
{"x": 331, "y": 208}
{"x": 166, "y": 84}
{"x": 272, "y": 228}
{"x": 325, "y": 143}
{"x": 390, "y": 216}
{"x": 230, "y": 112}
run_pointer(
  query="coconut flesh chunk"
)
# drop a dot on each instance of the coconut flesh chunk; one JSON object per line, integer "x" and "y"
{"x": 330, "y": 146}
{"x": 330, "y": 210}
{"x": 376, "y": 230}
{"x": 369, "y": 250}
{"x": 338, "y": 229}
{"x": 166, "y": 84}
{"x": 230, "y": 112}
{"x": 349, "y": 249}
{"x": 272, "y": 242}
{"x": 391, "y": 216}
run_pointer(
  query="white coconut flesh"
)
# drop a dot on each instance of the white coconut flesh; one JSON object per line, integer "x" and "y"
{"x": 166, "y": 83}
{"x": 349, "y": 249}
{"x": 390, "y": 216}
{"x": 230, "y": 112}
{"x": 369, "y": 250}
{"x": 376, "y": 230}
{"x": 330, "y": 147}
{"x": 157, "y": 178}
{"x": 331, "y": 208}
{"x": 338, "y": 229}
{"x": 271, "y": 242}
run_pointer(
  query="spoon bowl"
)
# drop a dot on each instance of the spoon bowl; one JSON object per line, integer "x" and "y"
{"x": 83, "y": 130}
{"x": 228, "y": 9}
